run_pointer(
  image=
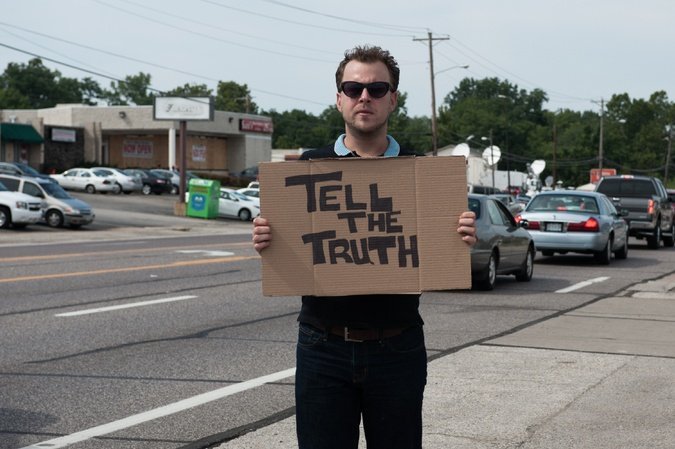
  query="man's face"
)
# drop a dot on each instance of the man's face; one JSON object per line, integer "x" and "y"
{"x": 366, "y": 114}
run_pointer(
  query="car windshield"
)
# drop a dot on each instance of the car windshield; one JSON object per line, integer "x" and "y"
{"x": 568, "y": 203}
{"x": 3, "y": 188}
{"x": 56, "y": 191}
{"x": 240, "y": 196}
{"x": 28, "y": 169}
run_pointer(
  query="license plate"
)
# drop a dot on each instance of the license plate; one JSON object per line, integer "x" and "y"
{"x": 554, "y": 227}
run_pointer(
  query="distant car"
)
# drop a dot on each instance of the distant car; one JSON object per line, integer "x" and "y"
{"x": 86, "y": 180}
{"x": 254, "y": 193}
{"x": 60, "y": 208}
{"x": 576, "y": 221}
{"x": 503, "y": 247}
{"x": 244, "y": 177}
{"x": 175, "y": 178}
{"x": 152, "y": 182}
{"x": 234, "y": 204}
{"x": 21, "y": 169}
{"x": 125, "y": 183}
{"x": 253, "y": 185}
{"x": 510, "y": 202}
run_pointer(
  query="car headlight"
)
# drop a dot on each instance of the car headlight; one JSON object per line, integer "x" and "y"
{"x": 21, "y": 205}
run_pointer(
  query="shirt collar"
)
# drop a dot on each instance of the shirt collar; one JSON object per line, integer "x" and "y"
{"x": 392, "y": 150}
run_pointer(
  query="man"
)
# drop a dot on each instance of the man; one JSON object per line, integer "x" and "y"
{"x": 362, "y": 355}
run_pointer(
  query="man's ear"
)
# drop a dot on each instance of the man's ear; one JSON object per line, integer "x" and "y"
{"x": 393, "y": 101}
{"x": 338, "y": 101}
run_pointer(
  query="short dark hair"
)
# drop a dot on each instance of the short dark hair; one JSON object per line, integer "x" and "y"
{"x": 368, "y": 54}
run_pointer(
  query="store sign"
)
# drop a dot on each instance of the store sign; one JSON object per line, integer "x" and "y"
{"x": 256, "y": 126}
{"x": 183, "y": 108}
{"x": 140, "y": 149}
{"x": 199, "y": 153}
{"x": 63, "y": 135}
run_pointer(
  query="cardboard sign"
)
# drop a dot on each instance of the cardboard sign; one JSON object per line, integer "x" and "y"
{"x": 360, "y": 226}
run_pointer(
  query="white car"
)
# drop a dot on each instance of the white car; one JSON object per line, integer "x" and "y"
{"x": 18, "y": 209}
{"x": 253, "y": 193}
{"x": 85, "y": 179}
{"x": 125, "y": 182}
{"x": 234, "y": 204}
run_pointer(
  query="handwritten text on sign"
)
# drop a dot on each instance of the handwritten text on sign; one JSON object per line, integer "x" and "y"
{"x": 326, "y": 193}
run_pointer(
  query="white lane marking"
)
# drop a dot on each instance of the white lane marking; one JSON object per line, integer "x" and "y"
{"x": 160, "y": 412}
{"x": 206, "y": 252}
{"x": 126, "y": 306}
{"x": 582, "y": 284}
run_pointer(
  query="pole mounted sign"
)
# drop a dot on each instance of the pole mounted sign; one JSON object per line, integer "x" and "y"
{"x": 183, "y": 108}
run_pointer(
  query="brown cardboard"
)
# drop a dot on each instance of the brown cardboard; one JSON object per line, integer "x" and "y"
{"x": 414, "y": 199}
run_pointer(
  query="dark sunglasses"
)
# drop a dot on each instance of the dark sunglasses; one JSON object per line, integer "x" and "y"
{"x": 352, "y": 89}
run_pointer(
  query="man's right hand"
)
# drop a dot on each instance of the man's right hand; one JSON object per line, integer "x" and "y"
{"x": 262, "y": 234}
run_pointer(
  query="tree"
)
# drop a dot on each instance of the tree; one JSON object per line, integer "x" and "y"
{"x": 32, "y": 85}
{"x": 190, "y": 90}
{"x": 134, "y": 90}
{"x": 234, "y": 97}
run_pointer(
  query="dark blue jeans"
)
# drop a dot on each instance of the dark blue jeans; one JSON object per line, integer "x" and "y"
{"x": 338, "y": 382}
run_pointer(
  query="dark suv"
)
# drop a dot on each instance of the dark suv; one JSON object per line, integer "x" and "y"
{"x": 650, "y": 209}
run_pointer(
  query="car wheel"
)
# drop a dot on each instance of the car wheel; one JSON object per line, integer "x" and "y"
{"x": 669, "y": 240}
{"x": 54, "y": 218}
{"x": 174, "y": 190}
{"x": 605, "y": 255}
{"x": 526, "y": 271}
{"x": 147, "y": 190}
{"x": 244, "y": 215}
{"x": 489, "y": 276}
{"x": 90, "y": 189}
{"x": 654, "y": 240}
{"x": 5, "y": 218}
{"x": 547, "y": 253}
{"x": 117, "y": 189}
{"x": 622, "y": 253}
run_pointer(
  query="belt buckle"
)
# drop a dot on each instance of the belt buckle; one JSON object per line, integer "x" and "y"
{"x": 351, "y": 339}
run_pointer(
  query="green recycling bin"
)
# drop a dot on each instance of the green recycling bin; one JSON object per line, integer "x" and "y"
{"x": 203, "y": 198}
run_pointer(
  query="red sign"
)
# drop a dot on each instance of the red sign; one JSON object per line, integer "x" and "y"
{"x": 256, "y": 126}
{"x": 596, "y": 175}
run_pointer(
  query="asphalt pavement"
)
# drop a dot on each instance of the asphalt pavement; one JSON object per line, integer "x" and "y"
{"x": 599, "y": 377}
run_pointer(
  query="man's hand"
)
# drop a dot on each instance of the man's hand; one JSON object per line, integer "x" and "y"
{"x": 262, "y": 234}
{"x": 467, "y": 227}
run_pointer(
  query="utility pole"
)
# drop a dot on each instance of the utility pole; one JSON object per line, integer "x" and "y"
{"x": 602, "y": 133}
{"x": 555, "y": 147}
{"x": 670, "y": 140}
{"x": 434, "y": 132}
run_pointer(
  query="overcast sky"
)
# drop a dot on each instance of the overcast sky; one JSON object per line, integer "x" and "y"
{"x": 286, "y": 51}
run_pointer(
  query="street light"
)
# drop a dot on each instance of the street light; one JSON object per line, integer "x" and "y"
{"x": 434, "y": 131}
{"x": 669, "y": 130}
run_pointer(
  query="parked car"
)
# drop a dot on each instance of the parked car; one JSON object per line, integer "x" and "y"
{"x": 59, "y": 207}
{"x": 650, "y": 213}
{"x": 21, "y": 169}
{"x": 234, "y": 204}
{"x": 253, "y": 185}
{"x": 152, "y": 182}
{"x": 245, "y": 176}
{"x": 175, "y": 178}
{"x": 483, "y": 190}
{"x": 503, "y": 247}
{"x": 125, "y": 183}
{"x": 254, "y": 193}
{"x": 18, "y": 209}
{"x": 86, "y": 180}
{"x": 576, "y": 221}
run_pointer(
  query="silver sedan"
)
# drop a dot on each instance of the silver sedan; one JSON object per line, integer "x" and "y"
{"x": 562, "y": 221}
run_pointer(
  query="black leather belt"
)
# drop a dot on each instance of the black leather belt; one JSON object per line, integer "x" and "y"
{"x": 361, "y": 335}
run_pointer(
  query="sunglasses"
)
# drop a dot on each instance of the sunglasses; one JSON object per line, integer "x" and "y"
{"x": 352, "y": 89}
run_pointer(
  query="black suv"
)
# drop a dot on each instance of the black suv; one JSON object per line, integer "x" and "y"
{"x": 650, "y": 209}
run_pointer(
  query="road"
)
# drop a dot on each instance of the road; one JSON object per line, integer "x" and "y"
{"x": 150, "y": 331}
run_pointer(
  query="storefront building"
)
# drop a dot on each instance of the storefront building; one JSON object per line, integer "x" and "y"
{"x": 128, "y": 137}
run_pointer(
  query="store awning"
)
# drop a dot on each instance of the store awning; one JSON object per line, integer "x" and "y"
{"x": 19, "y": 132}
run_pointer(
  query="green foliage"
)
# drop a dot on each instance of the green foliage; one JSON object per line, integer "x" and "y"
{"x": 234, "y": 97}
{"x": 190, "y": 90}
{"x": 134, "y": 90}
{"x": 34, "y": 86}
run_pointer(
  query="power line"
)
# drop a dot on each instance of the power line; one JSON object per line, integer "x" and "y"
{"x": 341, "y": 30}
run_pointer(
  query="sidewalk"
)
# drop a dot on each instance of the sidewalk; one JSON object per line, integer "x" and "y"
{"x": 600, "y": 377}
